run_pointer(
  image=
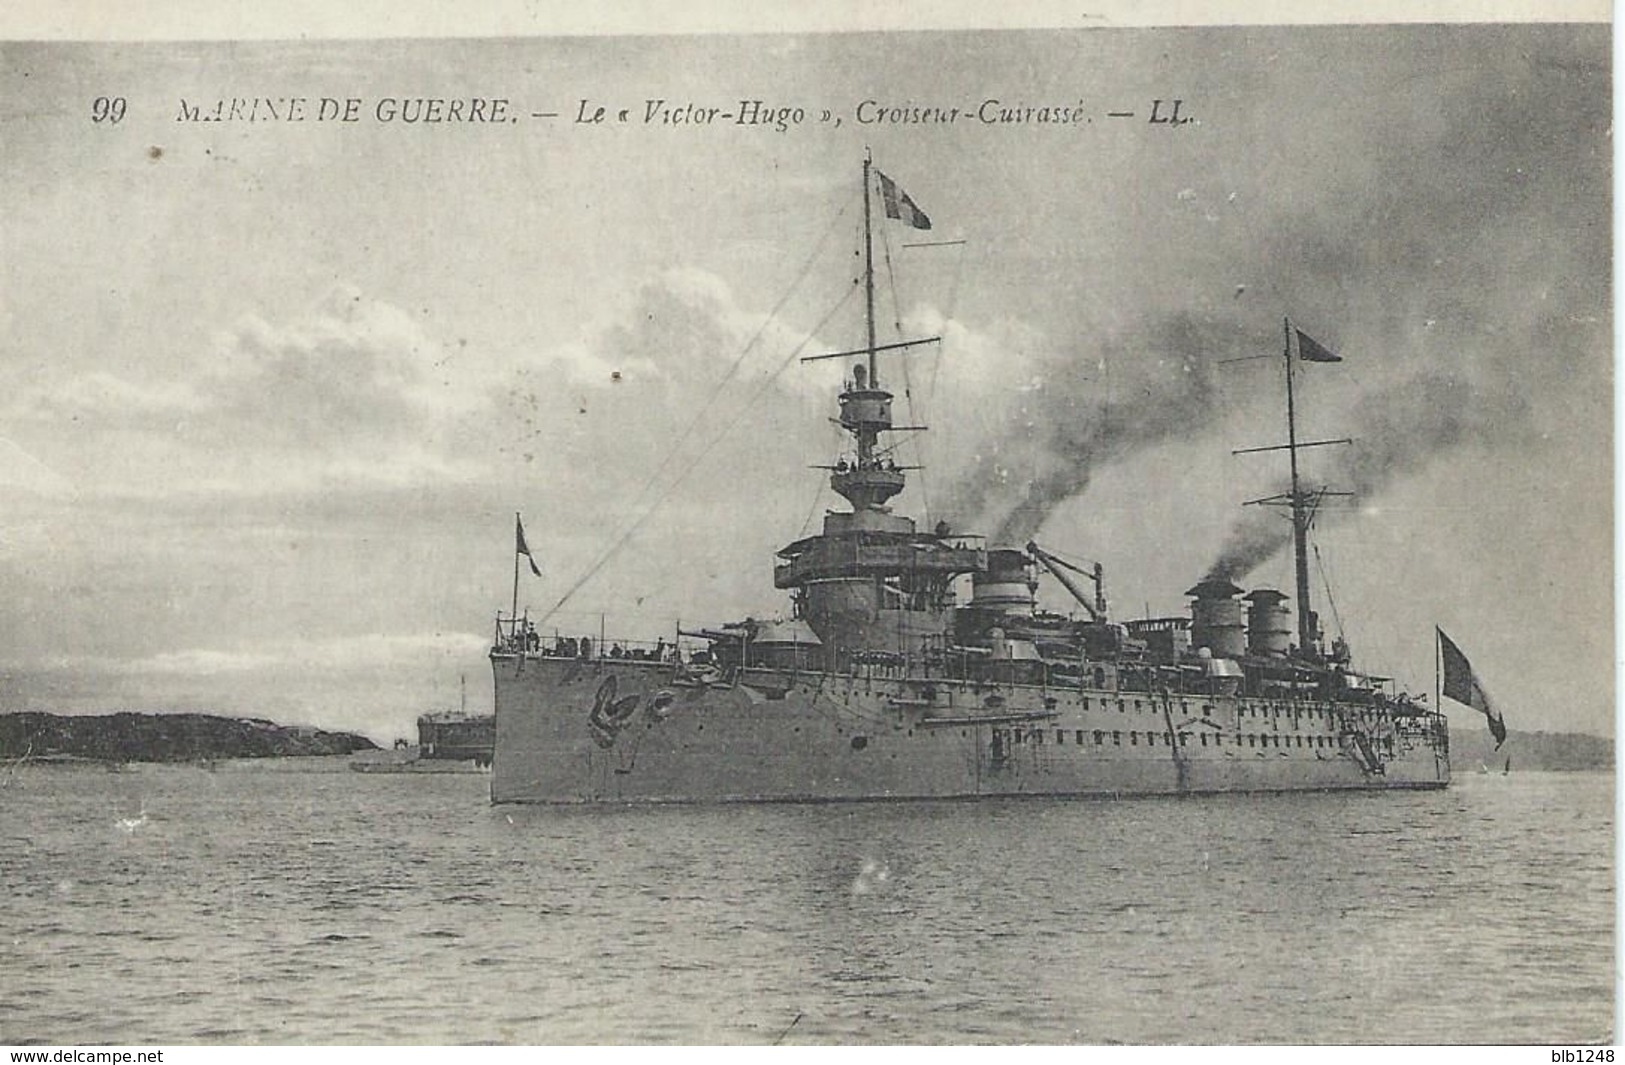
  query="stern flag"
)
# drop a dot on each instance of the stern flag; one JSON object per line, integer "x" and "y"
{"x": 899, "y": 206}
{"x": 519, "y": 545}
{"x": 1461, "y": 685}
{"x": 1311, "y": 350}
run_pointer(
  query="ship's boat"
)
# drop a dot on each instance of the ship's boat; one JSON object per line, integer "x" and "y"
{"x": 887, "y": 683}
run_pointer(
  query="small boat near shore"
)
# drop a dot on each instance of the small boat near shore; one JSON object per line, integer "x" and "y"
{"x": 410, "y": 760}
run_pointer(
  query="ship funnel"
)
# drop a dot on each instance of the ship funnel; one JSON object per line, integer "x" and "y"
{"x": 1216, "y": 618}
{"x": 1269, "y": 629}
{"x": 1007, "y": 586}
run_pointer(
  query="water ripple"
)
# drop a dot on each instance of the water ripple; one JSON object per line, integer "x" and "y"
{"x": 272, "y": 908}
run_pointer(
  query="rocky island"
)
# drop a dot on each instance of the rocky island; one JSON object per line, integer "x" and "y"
{"x": 139, "y": 737}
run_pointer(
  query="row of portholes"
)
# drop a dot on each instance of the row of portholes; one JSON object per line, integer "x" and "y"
{"x": 1152, "y": 739}
{"x": 1269, "y": 711}
{"x": 1207, "y": 709}
{"x": 1142, "y": 705}
{"x": 1036, "y": 737}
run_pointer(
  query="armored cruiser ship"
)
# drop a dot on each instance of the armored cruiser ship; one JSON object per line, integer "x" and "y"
{"x": 885, "y": 682}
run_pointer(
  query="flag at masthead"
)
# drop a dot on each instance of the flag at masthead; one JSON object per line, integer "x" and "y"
{"x": 898, "y": 205}
{"x": 522, "y": 548}
{"x": 1311, "y": 350}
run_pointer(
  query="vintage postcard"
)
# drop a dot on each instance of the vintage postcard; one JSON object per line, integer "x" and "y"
{"x": 694, "y": 530}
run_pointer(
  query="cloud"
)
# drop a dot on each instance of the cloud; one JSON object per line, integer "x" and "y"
{"x": 354, "y": 369}
{"x": 101, "y": 399}
{"x": 340, "y": 654}
{"x": 680, "y": 403}
{"x": 676, "y": 370}
{"x": 685, "y": 329}
{"x": 207, "y": 552}
{"x": 353, "y": 392}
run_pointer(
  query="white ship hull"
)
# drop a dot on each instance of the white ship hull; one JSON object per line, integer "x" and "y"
{"x": 632, "y": 731}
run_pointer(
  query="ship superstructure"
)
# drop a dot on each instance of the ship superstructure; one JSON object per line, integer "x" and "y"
{"x": 886, "y": 682}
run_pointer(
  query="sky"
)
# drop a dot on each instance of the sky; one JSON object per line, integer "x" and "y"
{"x": 272, "y": 392}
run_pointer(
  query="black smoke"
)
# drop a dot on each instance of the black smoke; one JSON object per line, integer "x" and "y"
{"x": 1088, "y": 405}
{"x": 1397, "y": 430}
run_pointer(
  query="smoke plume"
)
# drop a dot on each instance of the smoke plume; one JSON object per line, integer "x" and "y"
{"x": 1082, "y": 409}
{"x": 1397, "y": 430}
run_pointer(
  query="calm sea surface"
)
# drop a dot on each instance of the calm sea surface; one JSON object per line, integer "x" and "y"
{"x": 274, "y": 904}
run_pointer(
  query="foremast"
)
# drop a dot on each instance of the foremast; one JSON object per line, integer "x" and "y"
{"x": 865, "y": 406}
{"x": 869, "y": 266}
{"x": 870, "y": 581}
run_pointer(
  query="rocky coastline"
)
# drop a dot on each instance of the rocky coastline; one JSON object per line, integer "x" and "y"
{"x": 147, "y": 737}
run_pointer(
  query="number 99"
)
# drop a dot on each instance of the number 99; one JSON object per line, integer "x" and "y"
{"x": 107, "y": 109}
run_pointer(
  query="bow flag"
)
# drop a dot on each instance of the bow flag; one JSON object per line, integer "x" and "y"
{"x": 1461, "y": 685}
{"x": 522, "y": 548}
{"x": 1311, "y": 350}
{"x": 899, "y": 206}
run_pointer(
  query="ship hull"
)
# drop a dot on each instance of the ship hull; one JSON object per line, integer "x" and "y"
{"x": 574, "y": 730}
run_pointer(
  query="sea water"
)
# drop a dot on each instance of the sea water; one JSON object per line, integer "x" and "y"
{"x": 300, "y": 903}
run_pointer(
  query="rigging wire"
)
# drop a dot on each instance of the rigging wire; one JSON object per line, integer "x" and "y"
{"x": 812, "y": 509}
{"x": 1325, "y": 581}
{"x": 908, "y": 385}
{"x": 953, "y": 305}
{"x": 838, "y": 435}
{"x": 936, "y": 368}
{"x": 654, "y": 505}
{"x": 710, "y": 401}
{"x": 891, "y": 279}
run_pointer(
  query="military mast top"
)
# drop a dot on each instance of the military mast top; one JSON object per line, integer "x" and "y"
{"x": 865, "y": 405}
{"x": 870, "y": 549}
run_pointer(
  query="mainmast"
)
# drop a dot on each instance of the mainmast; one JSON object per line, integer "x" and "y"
{"x": 1302, "y": 503}
{"x": 1300, "y": 506}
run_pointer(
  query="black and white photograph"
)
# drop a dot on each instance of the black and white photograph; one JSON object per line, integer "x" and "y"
{"x": 789, "y": 532}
